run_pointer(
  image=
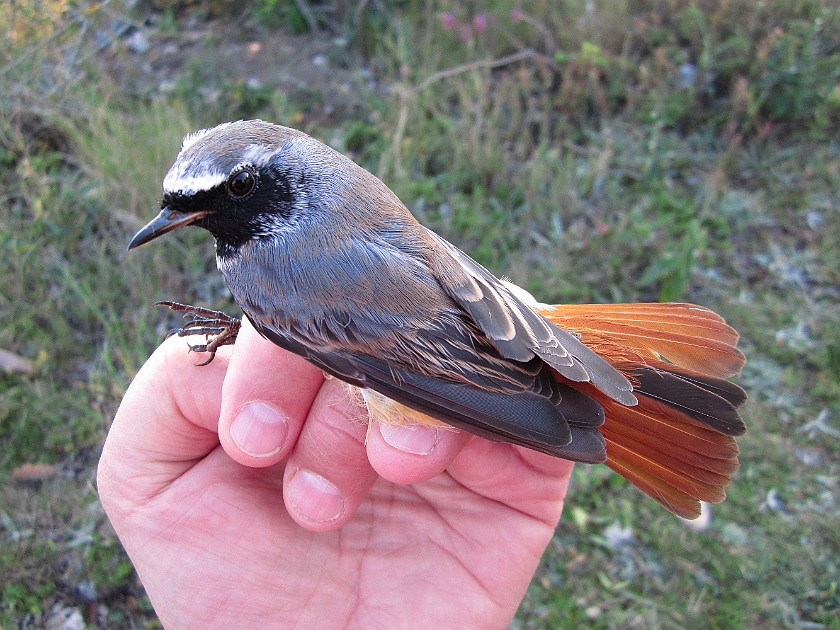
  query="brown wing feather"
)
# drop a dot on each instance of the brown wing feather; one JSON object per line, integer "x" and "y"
{"x": 514, "y": 328}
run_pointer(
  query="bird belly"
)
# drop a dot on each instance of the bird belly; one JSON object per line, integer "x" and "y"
{"x": 386, "y": 411}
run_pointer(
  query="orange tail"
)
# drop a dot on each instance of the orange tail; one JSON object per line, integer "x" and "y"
{"x": 677, "y": 444}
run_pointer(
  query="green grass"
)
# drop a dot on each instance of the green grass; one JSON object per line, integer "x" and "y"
{"x": 591, "y": 169}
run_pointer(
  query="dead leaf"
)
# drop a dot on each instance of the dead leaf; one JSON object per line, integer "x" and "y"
{"x": 34, "y": 472}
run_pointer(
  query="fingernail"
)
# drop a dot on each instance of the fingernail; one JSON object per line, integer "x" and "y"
{"x": 416, "y": 439}
{"x": 314, "y": 497}
{"x": 259, "y": 429}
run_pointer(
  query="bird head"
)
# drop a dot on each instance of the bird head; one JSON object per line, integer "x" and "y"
{"x": 241, "y": 181}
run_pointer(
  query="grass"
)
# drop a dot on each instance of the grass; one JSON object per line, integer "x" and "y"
{"x": 635, "y": 151}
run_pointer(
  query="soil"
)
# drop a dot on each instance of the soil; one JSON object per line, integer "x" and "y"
{"x": 318, "y": 72}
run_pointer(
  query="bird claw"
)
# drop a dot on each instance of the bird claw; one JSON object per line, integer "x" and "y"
{"x": 219, "y": 329}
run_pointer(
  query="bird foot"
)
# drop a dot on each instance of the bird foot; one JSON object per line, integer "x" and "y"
{"x": 218, "y": 328}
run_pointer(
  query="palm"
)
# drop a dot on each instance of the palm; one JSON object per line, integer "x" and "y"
{"x": 216, "y": 547}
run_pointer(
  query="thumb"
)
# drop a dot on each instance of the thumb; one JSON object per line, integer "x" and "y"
{"x": 166, "y": 422}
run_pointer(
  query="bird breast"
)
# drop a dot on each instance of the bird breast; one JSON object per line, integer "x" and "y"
{"x": 318, "y": 278}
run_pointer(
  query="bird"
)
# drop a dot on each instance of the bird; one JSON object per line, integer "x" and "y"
{"x": 325, "y": 261}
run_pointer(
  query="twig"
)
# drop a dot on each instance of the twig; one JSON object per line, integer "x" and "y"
{"x": 474, "y": 65}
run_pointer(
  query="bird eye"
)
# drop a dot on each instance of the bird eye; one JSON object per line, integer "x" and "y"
{"x": 241, "y": 184}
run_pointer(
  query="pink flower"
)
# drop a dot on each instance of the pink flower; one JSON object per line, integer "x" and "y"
{"x": 480, "y": 23}
{"x": 516, "y": 16}
{"x": 448, "y": 21}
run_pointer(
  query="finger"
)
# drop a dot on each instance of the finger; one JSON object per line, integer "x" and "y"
{"x": 266, "y": 398}
{"x": 328, "y": 474}
{"x": 166, "y": 421}
{"x": 530, "y": 482}
{"x": 411, "y": 453}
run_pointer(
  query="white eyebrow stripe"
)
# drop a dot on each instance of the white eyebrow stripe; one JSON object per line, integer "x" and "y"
{"x": 183, "y": 178}
{"x": 177, "y": 182}
{"x": 257, "y": 154}
{"x": 191, "y": 138}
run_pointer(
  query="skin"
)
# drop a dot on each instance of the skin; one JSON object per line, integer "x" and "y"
{"x": 251, "y": 493}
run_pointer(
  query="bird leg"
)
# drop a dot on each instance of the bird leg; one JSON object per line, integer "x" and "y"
{"x": 219, "y": 329}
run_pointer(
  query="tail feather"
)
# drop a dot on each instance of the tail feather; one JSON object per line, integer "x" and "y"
{"x": 689, "y": 436}
{"x": 725, "y": 389}
{"x": 667, "y": 317}
{"x": 699, "y": 454}
{"x": 676, "y": 445}
{"x": 675, "y": 501}
{"x": 686, "y": 335}
{"x": 676, "y": 463}
{"x": 626, "y": 456}
{"x": 691, "y": 397}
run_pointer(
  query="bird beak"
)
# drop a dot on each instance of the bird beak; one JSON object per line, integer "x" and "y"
{"x": 166, "y": 221}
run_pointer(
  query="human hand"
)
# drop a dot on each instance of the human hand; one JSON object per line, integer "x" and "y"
{"x": 300, "y": 515}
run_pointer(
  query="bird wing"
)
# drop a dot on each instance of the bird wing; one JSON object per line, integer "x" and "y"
{"x": 517, "y": 331}
{"x": 548, "y": 416}
{"x": 373, "y": 313}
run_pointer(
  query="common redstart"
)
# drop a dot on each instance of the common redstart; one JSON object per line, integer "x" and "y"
{"x": 325, "y": 261}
